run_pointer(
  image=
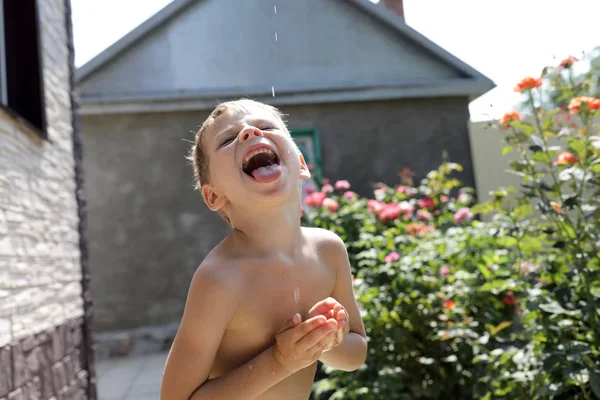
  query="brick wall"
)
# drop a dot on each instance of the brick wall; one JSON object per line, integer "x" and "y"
{"x": 43, "y": 349}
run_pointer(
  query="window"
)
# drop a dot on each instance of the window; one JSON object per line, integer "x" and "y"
{"x": 308, "y": 142}
{"x": 21, "y": 90}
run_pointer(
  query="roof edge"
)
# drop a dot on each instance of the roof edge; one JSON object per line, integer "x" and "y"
{"x": 399, "y": 25}
{"x": 152, "y": 23}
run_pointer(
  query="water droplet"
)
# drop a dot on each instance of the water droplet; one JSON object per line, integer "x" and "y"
{"x": 297, "y": 294}
{"x": 275, "y": 9}
{"x": 276, "y": 36}
{"x": 273, "y": 90}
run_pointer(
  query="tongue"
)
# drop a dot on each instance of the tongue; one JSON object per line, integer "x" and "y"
{"x": 267, "y": 174}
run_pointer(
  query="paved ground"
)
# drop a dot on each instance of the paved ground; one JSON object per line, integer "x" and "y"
{"x": 133, "y": 378}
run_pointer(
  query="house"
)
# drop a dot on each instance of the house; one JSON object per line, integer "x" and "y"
{"x": 365, "y": 96}
{"x": 45, "y": 341}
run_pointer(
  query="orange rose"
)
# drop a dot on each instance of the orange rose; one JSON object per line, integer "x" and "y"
{"x": 566, "y": 158}
{"x": 568, "y": 62}
{"x": 509, "y": 117}
{"x": 591, "y": 103}
{"x": 527, "y": 84}
{"x": 556, "y": 207}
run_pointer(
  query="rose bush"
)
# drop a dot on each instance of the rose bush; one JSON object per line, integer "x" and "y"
{"x": 457, "y": 308}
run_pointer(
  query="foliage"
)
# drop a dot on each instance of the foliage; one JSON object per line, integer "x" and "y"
{"x": 457, "y": 308}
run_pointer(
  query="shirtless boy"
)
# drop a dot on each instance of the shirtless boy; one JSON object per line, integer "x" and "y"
{"x": 272, "y": 298}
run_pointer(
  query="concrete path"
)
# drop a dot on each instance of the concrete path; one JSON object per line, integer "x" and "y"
{"x": 132, "y": 378}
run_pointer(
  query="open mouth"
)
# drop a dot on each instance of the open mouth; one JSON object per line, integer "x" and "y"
{"x": 261, "y": 164}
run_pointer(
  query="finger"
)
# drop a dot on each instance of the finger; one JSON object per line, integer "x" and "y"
{"x": 313, "y": 337}
{"x": 303, "y": 328}
{"x": 341, "y": 315}
{"x": 290, "y": 323}
{"x": 337, "y": 308}
{"x": 322, "y": 343}
{"x": 323, "y": 306}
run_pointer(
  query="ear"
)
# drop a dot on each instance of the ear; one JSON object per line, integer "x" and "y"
{"x": 212, "y": 198}
{"x": 304, "y": 172}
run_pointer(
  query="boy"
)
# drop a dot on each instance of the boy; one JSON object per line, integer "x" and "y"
{"x": 272, "y": 298}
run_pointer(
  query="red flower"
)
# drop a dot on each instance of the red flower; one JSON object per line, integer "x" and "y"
{"x": 342, "y": 185}
{"x": 449, "y": 304}
{"x": 390, "y": 212}
{"x": 419, "y": 229}
{"x": 528, "y": 84}
{"x": 557, "y": 207}
{"x": 331, "y": 205}
{"x": 566, "y": 158}
{"x": 509, "y": 300}
{"x": 567, "y": 62}
{"x": 426, "y": 203}
{"x": 315, "y": 199}
{"x": 592, "y": 104}
{"x": 509, "y": 117}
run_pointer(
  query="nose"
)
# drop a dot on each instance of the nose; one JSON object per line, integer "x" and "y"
{"x": 249, "y": 133}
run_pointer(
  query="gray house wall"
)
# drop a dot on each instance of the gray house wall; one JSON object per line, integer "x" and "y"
{"x": 44, "y": 350}
{"x": 149, "y": 230}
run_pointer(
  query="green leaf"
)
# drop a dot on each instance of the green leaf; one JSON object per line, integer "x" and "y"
{"x": 487, "y": 274}
{"x": 499, "y": 327}
{"x": 578, "y": 146}
{"x": 531, "y": 244}
{"x": 595, "y": 383}
{"x": 523, "y": 210}
{"x": 556, "y": 309}
{"x": 595, "y": 168}
{"x": 507, "y": 150}
{"x": 523, "y": 126}
{"x": 541, "y": 157}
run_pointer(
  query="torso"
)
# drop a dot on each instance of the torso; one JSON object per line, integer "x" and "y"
{"x": 274, "y": 290}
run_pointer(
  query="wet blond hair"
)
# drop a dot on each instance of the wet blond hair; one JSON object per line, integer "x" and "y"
{"x": 199, "y": 158}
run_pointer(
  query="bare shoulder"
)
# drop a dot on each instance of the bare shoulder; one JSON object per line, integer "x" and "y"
{"x": 327, "y": 243}
{"x": 218, "y": 275}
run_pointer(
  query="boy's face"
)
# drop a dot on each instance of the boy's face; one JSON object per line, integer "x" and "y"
{"x": 252, "y": 157}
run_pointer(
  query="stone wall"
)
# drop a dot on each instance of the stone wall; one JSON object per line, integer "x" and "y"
{"x": 149, "y": 231}
{"x": 44, "y": 352}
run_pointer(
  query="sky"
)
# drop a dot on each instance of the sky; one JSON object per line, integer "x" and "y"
{"x": 505, "y": 40}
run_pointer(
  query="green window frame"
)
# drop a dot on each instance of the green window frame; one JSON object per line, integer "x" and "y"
{"x": 310, "y": 137}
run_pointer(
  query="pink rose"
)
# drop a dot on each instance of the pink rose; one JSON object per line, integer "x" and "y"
{"x": 401, "y": 189}
{"x": 393, "y": 256}
{"x": 390, "y": 212}
{"x": 374, "y": 206}
{"x": 444, "y": 199}
{"x": 424, "y": 215}
{"x": 342, "y": 185}
{"x": 463, "y": 198}
{"x": 315, "y": 199}
{"x": 349, "y": 195}
{"x": 331, "y": 205}
{"x": 308, "y": 189}
{"x": 462, "y": 215}
{"x": 426, "y": 203}
{"x": 445, "y": 270}
{"x": 327, "y": 188}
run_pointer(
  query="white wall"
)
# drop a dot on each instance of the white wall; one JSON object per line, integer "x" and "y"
{"x": 40, "y": 272}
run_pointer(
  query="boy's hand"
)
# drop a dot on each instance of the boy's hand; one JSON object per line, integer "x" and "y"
{"x": 330, "y": 308}
{"x": 300, "y": 344}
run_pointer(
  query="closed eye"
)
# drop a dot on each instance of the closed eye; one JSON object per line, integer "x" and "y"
{"x": 227, "y": 141}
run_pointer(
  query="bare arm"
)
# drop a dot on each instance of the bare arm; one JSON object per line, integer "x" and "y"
{"x": 210, "y": 307}
{"x": 352, "y": 352}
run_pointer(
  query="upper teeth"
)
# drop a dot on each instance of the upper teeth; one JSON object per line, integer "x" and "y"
{"x": 257, "y": 151}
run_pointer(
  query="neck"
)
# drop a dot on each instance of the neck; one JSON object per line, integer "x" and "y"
{"x": 270, "y": 230}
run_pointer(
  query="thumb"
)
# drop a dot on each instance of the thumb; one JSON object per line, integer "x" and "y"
{"x": 290, "y": 323}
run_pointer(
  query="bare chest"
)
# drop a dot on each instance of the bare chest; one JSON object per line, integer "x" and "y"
{"x": 274, "y": 293}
